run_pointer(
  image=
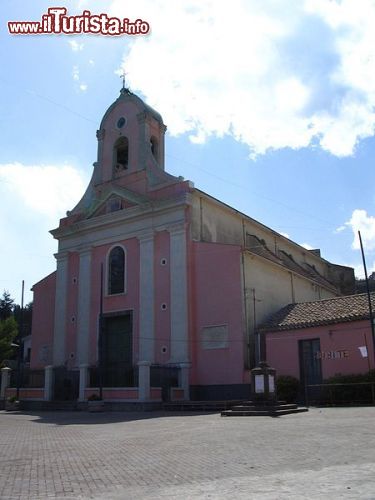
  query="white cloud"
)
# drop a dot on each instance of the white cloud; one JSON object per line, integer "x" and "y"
{"x": 76, "y": 77}
{"x": 340, "y": 229}
{"x": 36, "y": 196}
{"x": 270, "y": 76}
{"x": 364, "y": 223}
{"x": 75, "y": 73}
{"x": 44, "y": 189}
{"x": 307, "y": 246}
{"x": 359, "y": 271}
{"x": 75, "y": 46}
{"x": 286, "y": 235}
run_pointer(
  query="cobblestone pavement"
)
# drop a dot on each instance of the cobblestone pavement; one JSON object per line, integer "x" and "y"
{"x": 327, "y": 453}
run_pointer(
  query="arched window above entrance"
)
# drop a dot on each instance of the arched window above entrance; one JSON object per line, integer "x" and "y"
{"x": 116, "y": 271}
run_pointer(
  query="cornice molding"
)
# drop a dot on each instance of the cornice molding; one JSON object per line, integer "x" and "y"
{"x": 128, "y": 215}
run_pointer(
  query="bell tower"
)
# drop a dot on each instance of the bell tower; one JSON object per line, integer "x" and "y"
{"x": 130, "y": 157}
{"x": 130, "y": 139}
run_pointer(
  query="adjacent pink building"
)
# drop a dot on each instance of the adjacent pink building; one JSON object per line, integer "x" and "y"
{"x": 186, "y": 279}
{"x": 313, "y": 341}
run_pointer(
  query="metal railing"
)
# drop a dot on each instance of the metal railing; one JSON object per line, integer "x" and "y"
{"x": 340, "y": 394}
{"x": 28, "y": 379}
{"x": 113, "y": 376}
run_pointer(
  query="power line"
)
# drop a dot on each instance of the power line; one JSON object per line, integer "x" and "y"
{"x": 199, "y": 167}
{"x": 242, "y": 187}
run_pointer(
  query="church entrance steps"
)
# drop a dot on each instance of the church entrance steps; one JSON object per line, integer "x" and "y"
{"x": 263, "y": 409}
{"x": 209, "y": 406}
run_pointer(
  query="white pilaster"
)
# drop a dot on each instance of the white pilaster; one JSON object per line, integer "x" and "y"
{"x": 179, "y": 311}
{"x": 144, "y": 380}
{"x": 183, "y": 379}
{"x": 60, "y": 309}
{"x": 83, "y": 378}
{"x": 83, "y": 313}
{"x": 146, "y": 298}
{"x": 5, "y": 380}
{"x": 48, "y": 382}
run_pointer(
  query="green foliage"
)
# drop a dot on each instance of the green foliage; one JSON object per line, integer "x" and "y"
{"x": 24, "y": 318}
{"x": 352, "y": 378}
{"x": 8, "y": 332}
{"x": 6, "y": 306}
{"x": 287, "y": 388}
{"x": 12, "y": 399}
{"x": 354, "y": 391}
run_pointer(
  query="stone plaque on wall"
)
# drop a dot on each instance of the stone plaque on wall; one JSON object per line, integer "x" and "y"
{"x": 215, "y": 337}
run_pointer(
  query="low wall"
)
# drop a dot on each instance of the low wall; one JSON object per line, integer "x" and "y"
{"x": 123, "y": 393}
{"x": 29, "y": 393}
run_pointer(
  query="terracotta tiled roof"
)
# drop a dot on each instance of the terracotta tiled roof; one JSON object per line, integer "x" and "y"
{"x": 320, "y": 312}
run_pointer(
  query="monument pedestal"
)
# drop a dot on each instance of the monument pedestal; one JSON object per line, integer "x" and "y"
{"x": 263, "y": 397}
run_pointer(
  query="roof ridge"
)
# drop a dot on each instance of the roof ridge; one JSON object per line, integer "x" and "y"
{"x": 333, "y": 298}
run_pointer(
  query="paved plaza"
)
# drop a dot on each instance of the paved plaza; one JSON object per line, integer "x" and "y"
{"x": 325, "y": 453}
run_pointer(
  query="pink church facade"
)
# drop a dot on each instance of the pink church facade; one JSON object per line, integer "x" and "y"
{"x": 185, "y": 279}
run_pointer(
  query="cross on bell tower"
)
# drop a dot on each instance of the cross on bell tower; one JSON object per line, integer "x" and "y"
{"x": 123, "y": 77}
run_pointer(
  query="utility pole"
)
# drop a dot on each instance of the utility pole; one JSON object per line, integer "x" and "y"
{"x": 20, "y": 353}
{"x": 368, "y": 294}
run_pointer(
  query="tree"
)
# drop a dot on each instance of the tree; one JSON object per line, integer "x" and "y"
{"x": 8, "y": 332}
{"x": 26, "y": 318}
{"x": 6, "y": 305}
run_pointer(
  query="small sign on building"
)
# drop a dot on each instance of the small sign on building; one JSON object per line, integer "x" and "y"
{"x": 342, "y": 354}
{"x": 363, "y": 351}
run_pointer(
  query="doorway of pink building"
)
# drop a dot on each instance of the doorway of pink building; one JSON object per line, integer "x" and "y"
{"x": 310, "y": 366}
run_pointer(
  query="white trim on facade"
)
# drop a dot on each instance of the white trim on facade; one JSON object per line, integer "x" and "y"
{"x": 146, "y": 297}
{"x": 179, "y": 298}
{"x": 83, "y": 313}
{"x": 59, "y": 333}
{"x": 123, "y": 228}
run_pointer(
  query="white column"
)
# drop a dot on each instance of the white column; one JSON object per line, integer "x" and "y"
{"x": 179, "y": 311}
{"x": 5, "y": 380}
{"x": 146, "y": 298}
{"x": 83, "y": 313}
{"x": 183, "y": 379}
{"x": 48, "y": 382}
{"x": 60, "y": 309}
{"x": 144, "y": 380}
{"x": 83, "y": 378}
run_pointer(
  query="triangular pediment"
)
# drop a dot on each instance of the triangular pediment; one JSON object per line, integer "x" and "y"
{"x": 112, "y": 199}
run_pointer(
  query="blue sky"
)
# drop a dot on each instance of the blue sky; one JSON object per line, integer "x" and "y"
{"x": 269, "y": 107}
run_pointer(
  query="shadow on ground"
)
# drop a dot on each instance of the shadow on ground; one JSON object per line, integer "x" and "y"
{"x": 88, "y": 418}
